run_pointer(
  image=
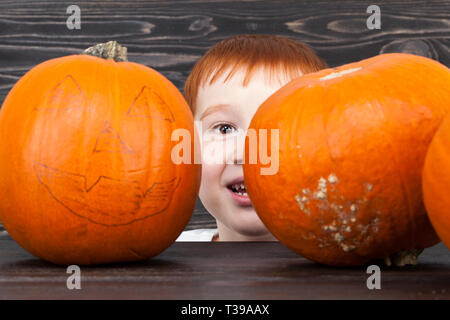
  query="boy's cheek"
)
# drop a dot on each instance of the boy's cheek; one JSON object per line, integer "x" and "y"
{"x": 210, "y": 187}
{"x": 211, "y": 175}
{"x": 213, "y": 153}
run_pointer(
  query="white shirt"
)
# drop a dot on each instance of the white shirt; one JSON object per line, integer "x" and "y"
{"x": 197, "y": 235}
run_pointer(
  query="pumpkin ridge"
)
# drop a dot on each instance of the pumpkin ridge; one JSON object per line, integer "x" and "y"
{"x": 411, "y": 229}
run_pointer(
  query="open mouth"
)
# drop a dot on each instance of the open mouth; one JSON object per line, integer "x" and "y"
{"x": 238, "y": 192}
{"x": 238, "y": 188}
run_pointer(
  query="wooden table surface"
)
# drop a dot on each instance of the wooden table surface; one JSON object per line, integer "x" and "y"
{"x": 223, "y": 270}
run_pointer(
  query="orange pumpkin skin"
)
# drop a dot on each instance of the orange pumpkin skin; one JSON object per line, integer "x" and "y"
{"x": 435, "y": 182}
{"x": 85, "y": 161}
{"x": 352, "y": 143}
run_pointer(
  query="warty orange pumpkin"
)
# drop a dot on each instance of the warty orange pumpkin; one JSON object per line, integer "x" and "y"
{"x": 436, "y": 182}
{"x": 352, "y": 143}
{"x": 85, "y": 160}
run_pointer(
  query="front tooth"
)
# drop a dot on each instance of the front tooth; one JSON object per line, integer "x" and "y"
{"x": 242, "y": 186}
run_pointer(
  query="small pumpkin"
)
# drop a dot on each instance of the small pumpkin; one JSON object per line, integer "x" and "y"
{"x": 352, "y": 143}
{"x": 85, "y": 160}
{"x": 436, "y": 180}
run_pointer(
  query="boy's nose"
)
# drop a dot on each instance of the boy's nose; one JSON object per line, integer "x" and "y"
{"x": 239, "y": 160}
{"x": 239, "y": 154}
{"x": 235, "y": 150}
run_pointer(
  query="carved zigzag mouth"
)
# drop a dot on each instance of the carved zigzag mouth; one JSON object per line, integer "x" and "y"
{"x": 98, "y": 202}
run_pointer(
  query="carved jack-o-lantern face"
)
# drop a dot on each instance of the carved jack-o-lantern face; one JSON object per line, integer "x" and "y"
{"x": 87, "y": 192}
{"x": 85, "y": 147}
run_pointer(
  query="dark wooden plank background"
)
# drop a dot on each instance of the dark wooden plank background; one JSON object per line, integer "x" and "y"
{"x": 172, "y": 35}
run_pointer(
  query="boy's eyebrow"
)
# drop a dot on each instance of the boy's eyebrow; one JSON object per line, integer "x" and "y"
{"x": 213, "y": 109}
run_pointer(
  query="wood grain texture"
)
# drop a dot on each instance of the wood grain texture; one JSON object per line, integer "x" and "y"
{"x": 221, "y": 270}
{"x": 171, "y": 36}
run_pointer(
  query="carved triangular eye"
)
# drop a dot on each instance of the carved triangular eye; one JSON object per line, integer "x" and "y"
{"x": 149, "y": 104}
{"x": 65, "y": 95}
{"x": 109, "y": 141}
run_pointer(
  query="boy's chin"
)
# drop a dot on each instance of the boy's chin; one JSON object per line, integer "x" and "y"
{"x": 251, "y": 227}
{"x": 256, "y": 233}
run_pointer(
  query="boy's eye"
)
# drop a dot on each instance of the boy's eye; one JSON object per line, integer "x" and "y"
{"x": 224, "y": 128}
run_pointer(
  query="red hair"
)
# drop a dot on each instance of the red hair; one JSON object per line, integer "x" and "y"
{"x": 275, "y": 53}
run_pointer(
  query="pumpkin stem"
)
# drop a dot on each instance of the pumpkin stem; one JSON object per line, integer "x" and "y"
{"x": 404, "y": 257}
{"x": 108, "y": 50}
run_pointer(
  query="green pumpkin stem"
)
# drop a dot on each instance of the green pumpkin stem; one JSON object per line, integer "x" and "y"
{"x": 108, "y": 50}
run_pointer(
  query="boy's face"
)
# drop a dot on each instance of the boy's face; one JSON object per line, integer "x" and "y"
{"x": 224, "y": 112}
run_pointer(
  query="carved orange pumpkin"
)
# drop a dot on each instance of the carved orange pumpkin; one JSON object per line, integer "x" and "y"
{"x": 436, "y": 181}
{"x": 85, "y": 161}
{"x": 352, "y": 143}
